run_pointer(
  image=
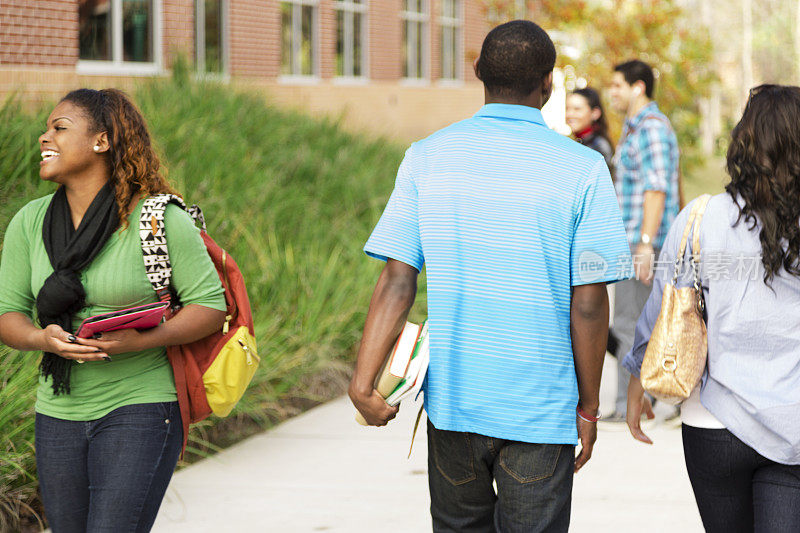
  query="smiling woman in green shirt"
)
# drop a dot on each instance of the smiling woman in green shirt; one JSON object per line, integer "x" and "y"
{"x": 108, "y": 431}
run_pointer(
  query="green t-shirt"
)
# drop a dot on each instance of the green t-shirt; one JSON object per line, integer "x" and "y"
{"x": 114, "y": 280}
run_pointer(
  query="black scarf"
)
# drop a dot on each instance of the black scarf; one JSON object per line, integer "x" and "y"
{"x": 70, "y": 251}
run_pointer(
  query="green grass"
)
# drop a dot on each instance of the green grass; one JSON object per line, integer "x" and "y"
{"x": 18, "y": 378}
{"x": 710, "y": 177}
{"x": 291, "y": 198}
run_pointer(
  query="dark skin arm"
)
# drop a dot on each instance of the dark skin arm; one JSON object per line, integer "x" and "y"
{"x": 589, "y": 329}
{"x": 18, "y": 331}
{"x": 189, "y": 324}
{"x": 391, "y": 301}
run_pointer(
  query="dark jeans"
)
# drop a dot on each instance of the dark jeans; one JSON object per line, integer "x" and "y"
{"x": 108, "y": 474}
{"x": 534, "y": 483}
{"x": 736, "y": 488}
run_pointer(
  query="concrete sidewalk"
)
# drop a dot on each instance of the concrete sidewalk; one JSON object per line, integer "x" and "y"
{"x": 323, "y": 472}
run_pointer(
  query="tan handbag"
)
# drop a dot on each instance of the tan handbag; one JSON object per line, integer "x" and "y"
{"x": 675, "y": 358}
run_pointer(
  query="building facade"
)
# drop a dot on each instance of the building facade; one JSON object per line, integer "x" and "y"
{"x": 401, "y": 68}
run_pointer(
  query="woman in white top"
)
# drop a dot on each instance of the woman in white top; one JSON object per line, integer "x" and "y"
{"x": 741, "y": 432}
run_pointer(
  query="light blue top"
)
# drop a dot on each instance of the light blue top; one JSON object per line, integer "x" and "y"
{"x": 752, "y": 384}
{"x": 507, "y": 215}
{"x": 647, "y": 159}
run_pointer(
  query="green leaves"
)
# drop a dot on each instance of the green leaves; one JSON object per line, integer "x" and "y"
{"x": 18, "y": 379}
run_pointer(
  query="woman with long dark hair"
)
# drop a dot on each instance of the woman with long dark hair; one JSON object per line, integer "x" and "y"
{"x": 741, "y": 435}
{"x": 587, "y": 120}
{"x": 108, "y": 428}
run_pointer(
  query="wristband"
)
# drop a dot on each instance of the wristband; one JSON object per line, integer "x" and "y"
{"x": 587, "y": 417}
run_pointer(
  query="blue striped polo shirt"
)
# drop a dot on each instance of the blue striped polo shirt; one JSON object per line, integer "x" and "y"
{"x": 507, "y": 216}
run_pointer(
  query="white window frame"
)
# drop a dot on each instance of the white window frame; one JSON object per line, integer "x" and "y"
{"x": 423, "y": 20}
{"x": 456, "y": 24}
{"x": 297, "y": 29}
{"x": 349, "y": 7}
{"x": 117, "y": 65}
{"x": 200, "y": 39}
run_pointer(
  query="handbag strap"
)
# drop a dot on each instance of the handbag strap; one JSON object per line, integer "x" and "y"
{"x": 698, "y": 209}
{"x": 701, "y": 210}
{"x": 693, "y": 226}
{"x": 686, "y": 230}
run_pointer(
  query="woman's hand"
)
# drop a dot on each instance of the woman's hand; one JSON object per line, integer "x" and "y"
{"x": 191, "y": 323}
{"x": 55, "y": 340}
{"x": 117, "y": 341}
{"x": 637, "y": 404}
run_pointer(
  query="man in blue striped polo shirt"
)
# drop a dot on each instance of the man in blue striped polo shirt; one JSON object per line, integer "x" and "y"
{"x": 520, "y": 230}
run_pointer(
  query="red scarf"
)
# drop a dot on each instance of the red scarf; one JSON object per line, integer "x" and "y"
{"x": 585, "y": 133}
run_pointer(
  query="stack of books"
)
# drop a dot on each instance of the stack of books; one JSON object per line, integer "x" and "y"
{"x": 404, "y": 370}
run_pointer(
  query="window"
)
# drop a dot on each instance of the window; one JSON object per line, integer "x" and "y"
{"x": 415, "y": 32}
{"x": 298, "y": 38}
{"x": 118, "y": 31}
{"x": 350, "y": 38}
{"x": 209, "y": 32}
{"x": 451, "y": 39}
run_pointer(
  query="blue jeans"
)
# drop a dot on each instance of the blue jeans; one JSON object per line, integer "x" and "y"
{"x": 736, "y": 488}
{"x": 534, "y": 484}
{"x": 107, "y": 475}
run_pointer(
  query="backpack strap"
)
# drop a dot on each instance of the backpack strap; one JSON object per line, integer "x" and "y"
{"x": 154, "y": 242}
{"x": 153, "y": 237}
{"x": 197, "y": 215}
{"x": 155, "y": 252}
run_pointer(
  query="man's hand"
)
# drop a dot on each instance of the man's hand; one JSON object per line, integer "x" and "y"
{"x": 373, "y": 407}
{"x": 643, "y": 263}
{"x": 587, "y": 433}
{"x": 589, "y": 329}
{"x": 637, "y": 404}
{"x": 392, "y": 299}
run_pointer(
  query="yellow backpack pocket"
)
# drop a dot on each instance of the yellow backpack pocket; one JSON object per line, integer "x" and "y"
{"x": 231, "y": 372}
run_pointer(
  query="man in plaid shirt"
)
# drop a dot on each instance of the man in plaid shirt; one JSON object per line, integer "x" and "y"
{"x": 647, "y": 185}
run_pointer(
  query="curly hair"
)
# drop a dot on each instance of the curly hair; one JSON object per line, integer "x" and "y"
{"x": 763, "y": 162}
{"x": 134, "y": 165}
{"x": 515, "y": 58}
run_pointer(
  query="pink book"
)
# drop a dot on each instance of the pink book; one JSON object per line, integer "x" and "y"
{"x": 139, "y": 317}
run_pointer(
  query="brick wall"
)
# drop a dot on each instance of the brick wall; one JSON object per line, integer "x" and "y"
{"x": 178, "y": 29}
{"x": 255, "y": 38}
{"x": 475, "y": 30}
{"x": 39, "y": 51}
{"x": 435, "y": 41}
{"x": 40, "y": 33}
{"x": 327, "y": 39}
{"x": 45, "y": 33}
{"x": 385, "y": 39}
{"x": 394, "y": 110}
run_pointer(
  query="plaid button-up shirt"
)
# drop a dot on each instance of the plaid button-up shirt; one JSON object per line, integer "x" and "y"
{"x": 647, "y": 159}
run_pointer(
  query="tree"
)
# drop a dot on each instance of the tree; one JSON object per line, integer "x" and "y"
{"x": 605, "y": 33}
